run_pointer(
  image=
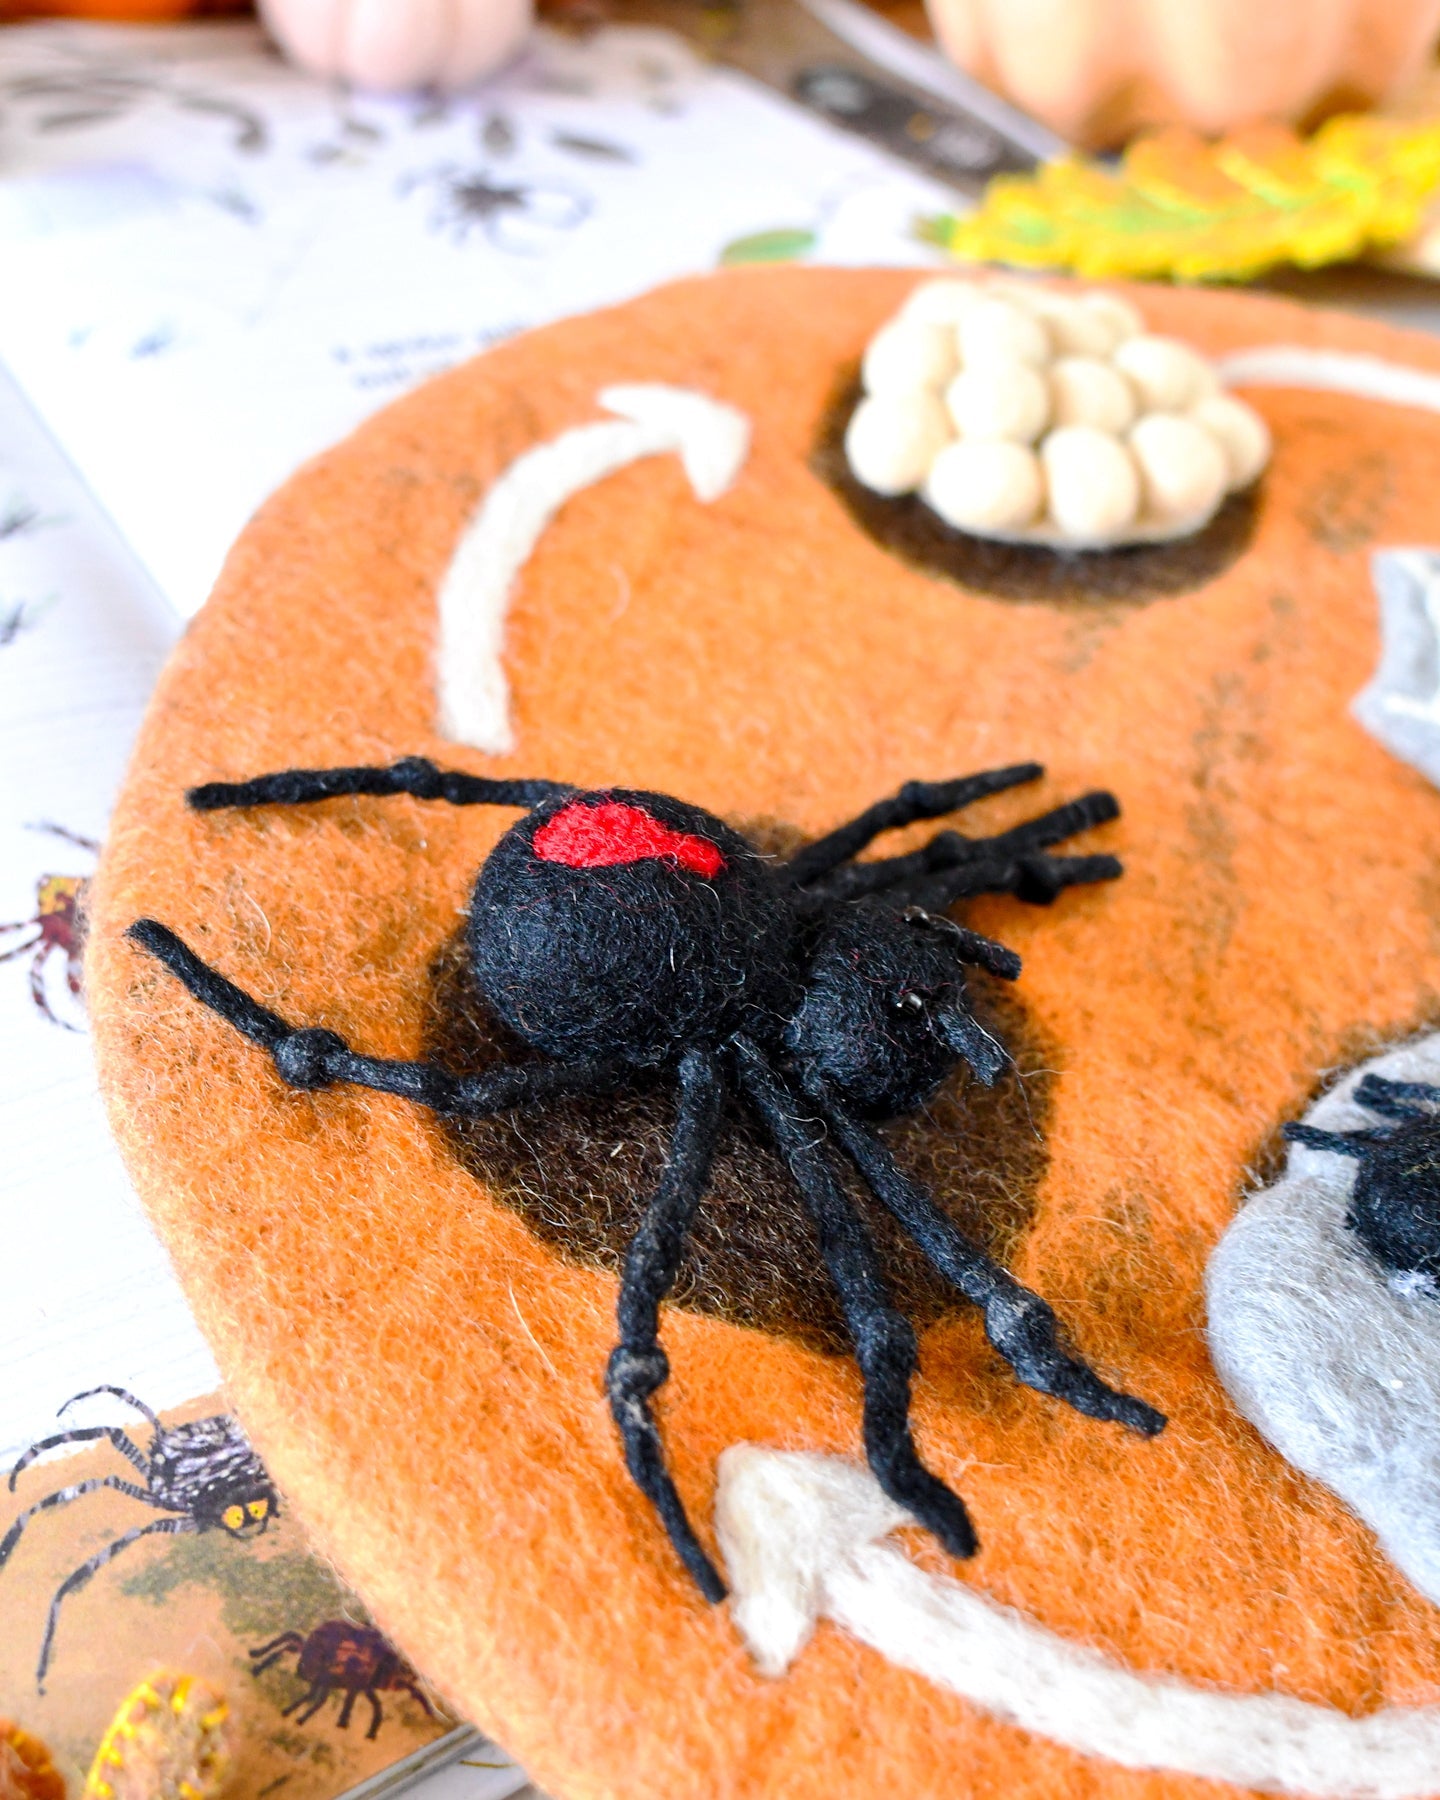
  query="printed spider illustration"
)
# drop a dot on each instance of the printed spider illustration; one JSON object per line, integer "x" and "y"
{"x": 204, "y": 1476}
{"x": 1395, "y": 1204}
{"x": 338, "y": 1657}
{"x": 59, "y": 931}
{"x": 619, "y": 931}
{"x": 95, "y": 92}
{"x": 517, "y": 217}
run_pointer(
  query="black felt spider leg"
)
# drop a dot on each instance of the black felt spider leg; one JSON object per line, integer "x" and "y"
{"x": 310, "y": 1057}
{"x": 1066, "y": 821}
{"x": 63, "y": 1497}
{"x": 1014, "y": 861}
{"x": 78, "y": 1577}
{"x": 1036, "y": 879}
{"x": 915, "y": 801}
{"x": 412, "y": 775}
{"x": 1021, "y": 1326}
{"x": 1010, "y": 862}
{"x": 638, "y": 1364}
{"x": 969, "y": 946}
{"x": 884, "y": 1340}
{"x": 1397, "y": 1099}
{"x": 1343, "y": 1143}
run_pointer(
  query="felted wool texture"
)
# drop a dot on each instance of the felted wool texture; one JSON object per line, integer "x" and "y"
{"x": 424, "y": 1376}
{"x": 581, "y": 1170}
{"x": 1323, "y": 1350}
{"x": 655, "y": 957}
{"x": 1398, "y": 706}
{"x": 911, "y": 529}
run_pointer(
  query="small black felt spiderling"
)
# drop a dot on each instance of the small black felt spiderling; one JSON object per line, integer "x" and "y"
{"x": 619, "y": 931}
{"x": 203, "y": 1475}
{"x": 1395, "y": 1204}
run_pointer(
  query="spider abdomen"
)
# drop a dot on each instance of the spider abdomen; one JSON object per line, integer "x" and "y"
{"x": 629, "y": 925}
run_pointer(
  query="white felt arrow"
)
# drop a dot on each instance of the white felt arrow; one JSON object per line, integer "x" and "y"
{"x": 802, "y": 1537}
{"x": 1332, "y": 372}
{"x": 711, "y": 440}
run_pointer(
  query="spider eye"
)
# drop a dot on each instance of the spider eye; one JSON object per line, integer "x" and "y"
{"x": 909, "y": 1001}
{"x": 233, "y": 1518}
{"x": 258, "y": 1509}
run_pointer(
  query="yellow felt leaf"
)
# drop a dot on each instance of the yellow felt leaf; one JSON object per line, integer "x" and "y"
{"x": 1193, "y": 210}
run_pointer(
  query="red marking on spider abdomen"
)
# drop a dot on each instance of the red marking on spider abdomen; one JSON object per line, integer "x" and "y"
{"x": 583, "y": 836}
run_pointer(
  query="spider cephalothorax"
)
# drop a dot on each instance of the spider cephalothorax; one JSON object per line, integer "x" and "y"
{"x": 202, "y": 1475}
{"x": 621, "y": 931}
{"x": 1395, "y": 1203}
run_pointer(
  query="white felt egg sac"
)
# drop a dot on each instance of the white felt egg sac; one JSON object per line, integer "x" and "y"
{"x": 1336, "y": 1365}
{"x": 1041, "y": 415}
{"x": 893, "y": 439}
{"x": 986, "y": 486}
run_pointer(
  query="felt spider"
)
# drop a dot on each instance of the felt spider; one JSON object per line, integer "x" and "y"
{"x": 340, "y": 1657}
{"x": 204, "y": 1475}
{"x": 1395, "y": 1203}
{"x": 619, "y": 931}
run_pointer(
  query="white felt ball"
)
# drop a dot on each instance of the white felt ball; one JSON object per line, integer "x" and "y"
{"x": 1241, "y": 433}
{"x": 1167, "y": 375}
{"x": 997, "y": 330}
{"x": 1093, "y": 483}
{"x": 942, "y": 302}
{"x": 1086, "y": 391}
{"x": 999, "y": 399}
{"x": 1118, "y": 317}
{"x": 1183, "y": 470}
{"x": 986, "y": 485}
{"x": 892, "y": 439}
{"x": 1077, "y": 329}
{"x": 908, "y": 354}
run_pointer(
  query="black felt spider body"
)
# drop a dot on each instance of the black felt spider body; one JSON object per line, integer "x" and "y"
{"x": 620, "y": 931}
{"x": 1395, "y": 1203}
{"x": 203, "y": 1476}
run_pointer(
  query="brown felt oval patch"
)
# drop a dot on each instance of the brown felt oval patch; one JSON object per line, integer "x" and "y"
{"x": 421, "y": 1366}
{"x": 580, "y": 1171}
{"x": 1130, "y": 576}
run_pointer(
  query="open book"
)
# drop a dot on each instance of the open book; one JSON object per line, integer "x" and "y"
{"x": 213, "y": 267}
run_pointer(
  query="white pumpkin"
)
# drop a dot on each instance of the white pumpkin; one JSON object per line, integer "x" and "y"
{"x": 393, "y": 45}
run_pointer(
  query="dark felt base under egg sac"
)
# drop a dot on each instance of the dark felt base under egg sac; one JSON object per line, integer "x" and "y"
{"x": 1132, "y": 575}
{"x": 580, "y": 1170}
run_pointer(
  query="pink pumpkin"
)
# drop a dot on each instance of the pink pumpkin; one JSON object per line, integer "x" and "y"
{"x": 392, "y": 45}
{"x": 1097, "y": 70}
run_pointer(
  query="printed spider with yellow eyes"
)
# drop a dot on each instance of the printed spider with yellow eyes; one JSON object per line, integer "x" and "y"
{"x": 203, "y": 1475}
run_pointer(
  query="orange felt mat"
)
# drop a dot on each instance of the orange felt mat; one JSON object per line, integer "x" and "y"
{"x": 424, "y": 1377}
